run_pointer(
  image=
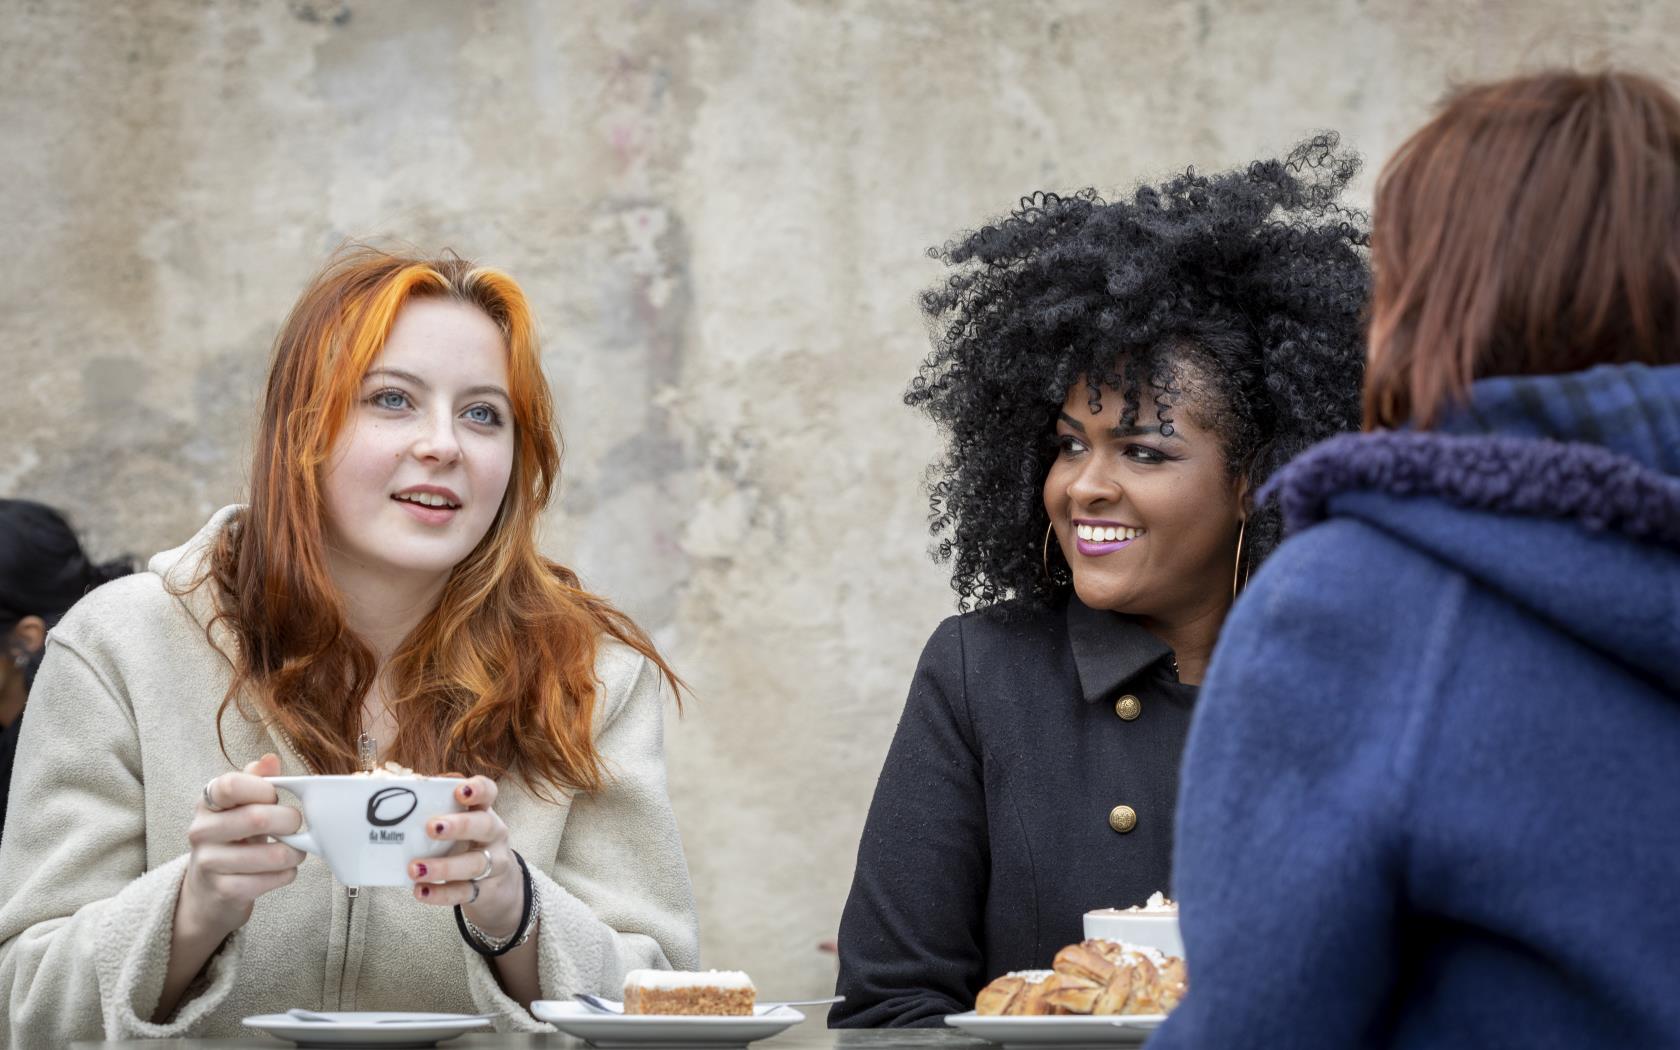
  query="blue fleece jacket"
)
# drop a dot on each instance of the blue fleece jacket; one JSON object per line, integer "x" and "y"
{"x": 1431, "y": 795}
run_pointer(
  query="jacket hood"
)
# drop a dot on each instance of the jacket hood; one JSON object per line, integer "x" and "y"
{"x": 1561, "y": 493}
{"x": 184, "y": 568}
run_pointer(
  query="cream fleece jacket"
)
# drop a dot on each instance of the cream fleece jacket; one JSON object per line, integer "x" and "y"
{"x": 117, "y": 744}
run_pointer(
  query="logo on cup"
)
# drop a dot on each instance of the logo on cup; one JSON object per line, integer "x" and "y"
{"x": 391, "y": 806}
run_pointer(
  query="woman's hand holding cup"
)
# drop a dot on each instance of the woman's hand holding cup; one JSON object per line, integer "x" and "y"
{"x": 480, "y": 874}
{"x": 233, "y": 861}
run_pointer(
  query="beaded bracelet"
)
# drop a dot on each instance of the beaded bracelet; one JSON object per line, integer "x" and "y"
{"x": 490, "y": 947}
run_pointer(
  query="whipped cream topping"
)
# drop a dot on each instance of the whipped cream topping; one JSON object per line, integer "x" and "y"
{"x": 389, "y": 769}
{"x": 669, "y": 980}
{"x": 1157, "y": 903}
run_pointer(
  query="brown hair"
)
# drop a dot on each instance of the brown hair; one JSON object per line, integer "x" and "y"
{"x": 1532, "y": 227}
{"x": 500, "y": 675}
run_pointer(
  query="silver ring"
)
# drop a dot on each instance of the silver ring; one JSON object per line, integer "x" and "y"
{"x": 489, "y": 869}
{"x": 208, "y": 803}
{"x": 474, "y": 884}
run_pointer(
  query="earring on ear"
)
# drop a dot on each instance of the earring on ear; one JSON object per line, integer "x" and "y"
{"x": 1236, "y": 570}
{"x": 20, "y": 658}
{"x": 1049, "y": 530}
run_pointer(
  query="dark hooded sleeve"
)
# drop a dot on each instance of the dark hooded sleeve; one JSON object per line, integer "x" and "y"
{"x": 1291, "y": 835}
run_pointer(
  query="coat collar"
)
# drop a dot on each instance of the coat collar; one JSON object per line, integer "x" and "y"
{"x": 1109, "y": 649}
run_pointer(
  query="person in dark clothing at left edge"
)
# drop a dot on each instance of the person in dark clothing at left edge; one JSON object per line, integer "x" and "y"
{"x": 43, "y": 571}
{"x": 1115, "y": 381}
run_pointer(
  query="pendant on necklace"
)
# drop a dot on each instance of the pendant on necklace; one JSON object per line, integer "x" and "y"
{"x": 367, "y": 753}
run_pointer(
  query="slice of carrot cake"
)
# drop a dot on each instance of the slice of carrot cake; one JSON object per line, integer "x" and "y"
{"x": 714, "y": 993}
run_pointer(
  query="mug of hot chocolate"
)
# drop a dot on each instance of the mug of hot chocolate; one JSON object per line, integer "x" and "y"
{"x": 369, "y": 826}
{"x": 1152, "y": 924}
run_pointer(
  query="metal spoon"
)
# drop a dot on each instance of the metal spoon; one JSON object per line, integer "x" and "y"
{"x": 603, "y": 1006}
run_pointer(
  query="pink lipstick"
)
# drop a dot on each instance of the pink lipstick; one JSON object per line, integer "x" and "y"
{"x": 1096, "y": 550}
{"x": 1097, "y": 544}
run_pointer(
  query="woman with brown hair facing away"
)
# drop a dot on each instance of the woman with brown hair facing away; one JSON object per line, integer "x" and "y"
{"x": 381, "y": 598}
{"x": 1428, "y": 798}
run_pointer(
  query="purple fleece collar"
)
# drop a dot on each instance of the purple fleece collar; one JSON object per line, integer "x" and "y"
{"x": 1602, "y": 490}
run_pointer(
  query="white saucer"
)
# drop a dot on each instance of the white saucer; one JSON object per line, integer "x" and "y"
{"x": 363, "y": 1028}
{"x": 643, "y": 1031}
{"x": 1063, "y": 1031}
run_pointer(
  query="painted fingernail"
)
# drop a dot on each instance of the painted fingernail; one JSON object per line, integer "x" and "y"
{"x": 425, "y": 891}
{"x": 420, "y": 871}
{"x": 439, "y": 827}
{"x": 466, "y": 792}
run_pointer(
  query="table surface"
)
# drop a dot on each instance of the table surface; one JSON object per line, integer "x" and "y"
{"x": 813, "y": 1034}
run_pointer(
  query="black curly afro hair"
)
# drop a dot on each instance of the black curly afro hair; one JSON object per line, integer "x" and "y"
{"x": 1247, "y": 289}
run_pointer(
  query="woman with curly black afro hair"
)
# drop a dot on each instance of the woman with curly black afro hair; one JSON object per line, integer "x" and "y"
{"x": 1115, "y": 381}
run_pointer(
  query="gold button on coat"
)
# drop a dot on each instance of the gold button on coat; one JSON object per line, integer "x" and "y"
{"x": 1128, "y": 707}
{"x": 1122, "y": 819}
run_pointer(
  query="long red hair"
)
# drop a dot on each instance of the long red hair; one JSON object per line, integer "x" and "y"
{"x": 500, "y": 675}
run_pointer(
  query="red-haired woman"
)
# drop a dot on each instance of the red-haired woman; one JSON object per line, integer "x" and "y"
{"x": 380, "y": 598}
{"x": 1428, "y": 798}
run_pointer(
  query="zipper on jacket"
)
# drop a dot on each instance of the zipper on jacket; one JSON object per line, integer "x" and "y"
{"x": 350, "y": 892}
{"x": 350, "y": 895}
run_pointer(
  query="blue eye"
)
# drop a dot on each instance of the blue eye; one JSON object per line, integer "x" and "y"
{"x": 389, "y": 399}
{"x": 484, "y": 415}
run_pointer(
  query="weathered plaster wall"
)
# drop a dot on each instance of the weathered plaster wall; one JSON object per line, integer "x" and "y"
{"x": 721, "y": 211}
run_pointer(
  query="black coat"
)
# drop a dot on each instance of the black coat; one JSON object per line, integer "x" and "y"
{"x": 989, "y": 836}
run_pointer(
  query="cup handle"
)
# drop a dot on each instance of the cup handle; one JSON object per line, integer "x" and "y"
{"x": 303, "y": 840}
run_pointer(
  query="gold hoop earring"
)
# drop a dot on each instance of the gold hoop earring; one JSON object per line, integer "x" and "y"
{"x": 1236, "y": 570}
{"x": 1049, "y": 528}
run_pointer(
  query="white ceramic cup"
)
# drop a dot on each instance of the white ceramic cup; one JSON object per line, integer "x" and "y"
{"x": 368, "y": 829}
{"x": 1157, "y": 930}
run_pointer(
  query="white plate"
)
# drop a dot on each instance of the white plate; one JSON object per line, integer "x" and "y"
{"x": 363, "y": 1028}
{"x": 1118, "y": 1030}
{"x": 649, "y": 1030}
